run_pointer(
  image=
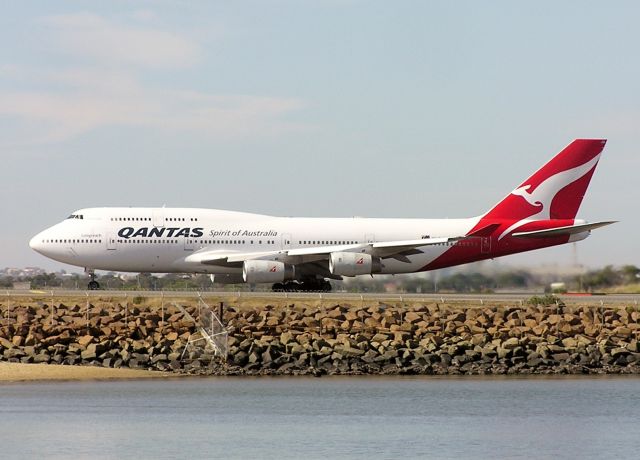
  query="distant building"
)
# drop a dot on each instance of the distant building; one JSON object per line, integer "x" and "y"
{"x": 21, "y": 285}
{"x": 22, "y": 272}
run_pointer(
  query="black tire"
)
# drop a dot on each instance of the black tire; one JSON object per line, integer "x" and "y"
{"x": 93, "y": 285}
{"x": 291, "y": 287}
{"x": 277, "y": 287}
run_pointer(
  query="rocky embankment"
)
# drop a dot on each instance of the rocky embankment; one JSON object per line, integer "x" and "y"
{"x": 108, "y": 335}
{"x": 299, "y": 339}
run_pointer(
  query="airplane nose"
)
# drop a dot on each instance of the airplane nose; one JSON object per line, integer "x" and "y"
{"x": 36, "y": 243}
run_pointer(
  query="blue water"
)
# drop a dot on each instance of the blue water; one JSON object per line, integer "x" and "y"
{"x": 354, "y": 417}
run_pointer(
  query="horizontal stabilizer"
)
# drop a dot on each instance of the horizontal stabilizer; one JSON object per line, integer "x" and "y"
{"x": 568, "y": 230}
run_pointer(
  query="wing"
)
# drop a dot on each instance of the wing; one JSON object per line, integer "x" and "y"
{"x": 567, "y": 230}
{"x": 383, "y": 249}
{"x": 227, "y": 258}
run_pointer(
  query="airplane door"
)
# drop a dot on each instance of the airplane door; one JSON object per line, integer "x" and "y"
{"x": 190, "y": 244}
{"x": 485, "y": 245}
{"x": 286, "y": 241}
{"x": 158, "y": 217}
{"x": 111, "y": 242}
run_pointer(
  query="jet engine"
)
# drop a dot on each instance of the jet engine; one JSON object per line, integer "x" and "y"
{"x": 353, "y": 263}
{"x": 267, "y": 271}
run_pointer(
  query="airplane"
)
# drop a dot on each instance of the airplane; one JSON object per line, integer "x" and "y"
{"x": 302, "y": 254}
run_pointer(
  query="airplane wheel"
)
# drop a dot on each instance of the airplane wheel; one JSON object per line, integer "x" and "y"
{"x": 326, "y": 286}
{"x": 291, "y": 287}
{"x": 277, "y": 287}
{"x": 93, "y": 285}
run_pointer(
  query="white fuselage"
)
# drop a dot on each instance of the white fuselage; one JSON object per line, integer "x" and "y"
{"x": 304, "y": 252}
{"x": 165, "y": 240}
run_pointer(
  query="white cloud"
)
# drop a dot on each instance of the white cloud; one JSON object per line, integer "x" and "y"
{"x": 106, "y": 90}
{"x": 98, "y": 40}
{"x": 144, "y": 15}
{"x": 90, "y": 99}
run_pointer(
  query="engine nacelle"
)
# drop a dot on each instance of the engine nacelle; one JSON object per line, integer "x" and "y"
{"x": 267, "y": 271}
{"x": 353, "y": 263}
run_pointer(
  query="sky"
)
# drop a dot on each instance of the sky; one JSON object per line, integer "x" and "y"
{"x": 314, "y": 108}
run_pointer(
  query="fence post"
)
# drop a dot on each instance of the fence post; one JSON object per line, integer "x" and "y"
{"x": 51, "y": 311}
{"x": 200, "y": 301}
{"x": 8, "y": 305}
{"x": 87, "y": 311}
{"x": 162, "y": 297}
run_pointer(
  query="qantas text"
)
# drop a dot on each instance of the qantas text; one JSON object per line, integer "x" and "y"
{"x": 168, "y": 232}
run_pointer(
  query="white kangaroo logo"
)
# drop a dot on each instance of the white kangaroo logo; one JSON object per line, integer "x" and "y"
{"x": 542, "y": 196}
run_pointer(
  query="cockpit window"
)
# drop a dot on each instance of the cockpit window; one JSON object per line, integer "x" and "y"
{"x": 76, "y": 216}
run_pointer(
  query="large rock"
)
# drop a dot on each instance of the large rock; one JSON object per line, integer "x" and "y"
{"x": 617, "y": 351}
{"x": 13, "y": 354}
{"x": 6, "y": 343}
{"x": 511, "y": 343}
{"x": 348, "y": 351}
{"x": 412, "y": 317}
{"x": 633, "y": 346}
{"x": 286, "y": 337}
{"x": 561, "y": 357}
{"x": 158, "y": 358}
{"x": 85, "y": 340}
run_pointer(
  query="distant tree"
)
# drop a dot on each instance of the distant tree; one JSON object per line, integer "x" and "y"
{"x": 111, "y": 281}
{"x": 45, "y": 280}
{"x": 518, "y": 278}
{"x": 147, "y": 281}
{"x": 72, "y": 282}
{"x": 603, "y": 278}
{"x": 6, "y": 282}
{"x": 415, "y": 284}
{"x": 363, "y": 284}
{"x": 461, "y": 282}
{"x": 630, "y": 273}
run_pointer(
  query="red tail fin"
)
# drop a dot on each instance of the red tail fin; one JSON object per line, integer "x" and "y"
{"x": 556, "y": 190}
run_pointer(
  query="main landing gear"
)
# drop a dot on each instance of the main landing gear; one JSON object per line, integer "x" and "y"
{"x": 93, "y": 284}
{"x": 308, "y": 285}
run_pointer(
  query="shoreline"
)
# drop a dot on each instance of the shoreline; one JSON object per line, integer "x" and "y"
{"x": 21, "y": 372}
{"x": 11, "y": 373}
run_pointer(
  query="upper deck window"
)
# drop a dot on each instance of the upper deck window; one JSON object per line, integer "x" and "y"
{"x": 76, "y": 216}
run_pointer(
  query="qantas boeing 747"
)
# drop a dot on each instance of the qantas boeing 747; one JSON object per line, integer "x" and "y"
{"x": 301, "y": 254}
